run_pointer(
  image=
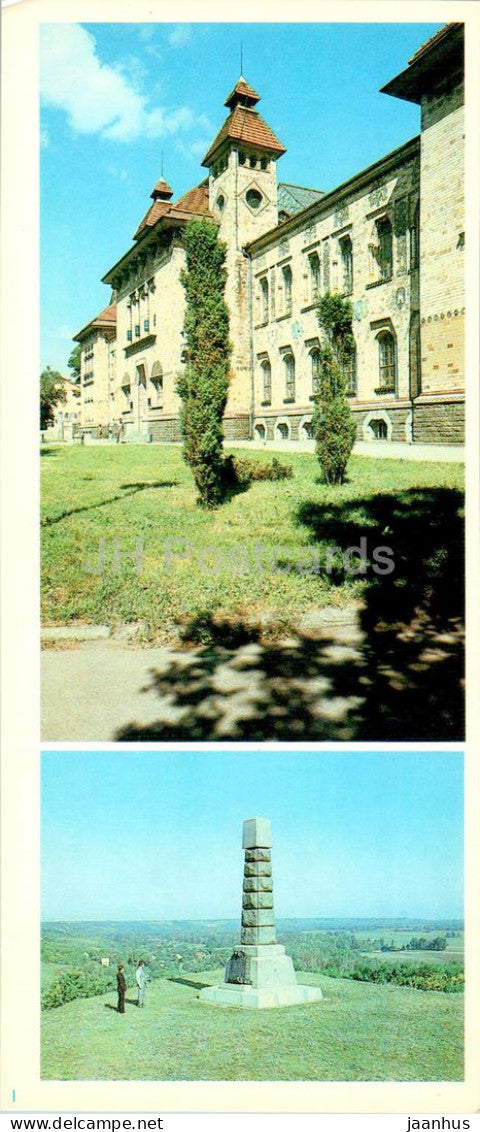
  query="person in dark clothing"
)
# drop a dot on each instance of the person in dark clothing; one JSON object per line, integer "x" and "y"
{"x": 121, "y": 988}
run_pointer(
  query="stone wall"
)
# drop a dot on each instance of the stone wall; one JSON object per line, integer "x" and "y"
{"x": 440, "y": 422}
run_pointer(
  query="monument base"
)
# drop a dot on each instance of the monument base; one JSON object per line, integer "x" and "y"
{"x": 259, "y": 977}
{"x": 259, "y": 998}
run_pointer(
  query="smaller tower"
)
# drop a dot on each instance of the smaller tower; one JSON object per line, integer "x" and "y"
{"x": 243, "y": 200}
{"x": 259, "y": 974}
{"x": 161, "y": 191}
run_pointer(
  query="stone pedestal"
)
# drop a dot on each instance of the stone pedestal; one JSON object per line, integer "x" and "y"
{"x": 258, "y": 974}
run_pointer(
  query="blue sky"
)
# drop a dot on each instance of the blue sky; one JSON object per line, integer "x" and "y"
{"x": 154, "y": 835}
{"x": 113, "y": 96}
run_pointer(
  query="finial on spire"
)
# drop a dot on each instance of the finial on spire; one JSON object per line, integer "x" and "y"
{"x": 161, "y": 167}
{"x": 241, "y": 56}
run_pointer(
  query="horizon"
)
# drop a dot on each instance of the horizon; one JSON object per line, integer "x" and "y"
{"x": 278, "y": 920}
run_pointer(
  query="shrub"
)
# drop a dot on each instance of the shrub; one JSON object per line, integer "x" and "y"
{"x": 243, "y": 470}
{"x": 68, "y": 985}
{"x": 332, "y": 422}
{"x": 203, "y": 387}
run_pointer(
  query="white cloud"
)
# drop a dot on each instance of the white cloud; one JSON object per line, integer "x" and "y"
{"x": 119, "y": 174}
{"x": 180, "y": 35}
{"x": 98, "y": 97}
{"x": 44, "y": 139}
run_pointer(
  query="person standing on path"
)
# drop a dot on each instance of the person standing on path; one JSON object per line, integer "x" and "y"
{"x": 141, "y": 980}
{"x": 121, "y": 988}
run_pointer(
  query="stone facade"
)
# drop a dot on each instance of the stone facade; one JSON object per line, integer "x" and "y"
{"x": 391, "y": 239}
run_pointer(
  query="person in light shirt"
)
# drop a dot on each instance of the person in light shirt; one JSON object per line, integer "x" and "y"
{"x": 141, "y": 978}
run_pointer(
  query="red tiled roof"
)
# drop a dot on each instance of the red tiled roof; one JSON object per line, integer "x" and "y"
{"x": 107, "y": 317}
{"x": 163, "y": 188}
{"x": 196, "y": 200}
{"x": 195, "y": 203}
{"x": 157, "y": 209}
{"x": 243, "y": 89}
{"x": 432, "y": 40}
{"x": 246, "y": 125}
{"x": 109, "y": 314}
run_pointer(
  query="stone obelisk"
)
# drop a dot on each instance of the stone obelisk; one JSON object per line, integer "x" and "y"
{"x": 259, "y": 974}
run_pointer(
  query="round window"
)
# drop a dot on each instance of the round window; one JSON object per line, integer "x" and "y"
{"x": 254, "y": 198}
{"x": 220, "y": 202}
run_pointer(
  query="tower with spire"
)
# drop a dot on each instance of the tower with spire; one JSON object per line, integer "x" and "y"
{"x": 241, "y": 164}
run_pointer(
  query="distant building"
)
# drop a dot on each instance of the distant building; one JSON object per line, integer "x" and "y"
{"x": 391, "y": 239}
{"x": 67, "y": 414}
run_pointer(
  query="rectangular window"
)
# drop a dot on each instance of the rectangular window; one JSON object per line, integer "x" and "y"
{"x": 385, "y": 249}
{"x": 287, "y": 289}
{"x": 347, "y": 265}
{"x": 129, "y": 335}
{"x": 314, "y": 266}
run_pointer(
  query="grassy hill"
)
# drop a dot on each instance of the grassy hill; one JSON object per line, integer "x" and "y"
{"x": 359, "y": 1032}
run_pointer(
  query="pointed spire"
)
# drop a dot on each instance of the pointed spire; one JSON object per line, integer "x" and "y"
{"x": 161, "y": 191}
{"x": 242, "y": 95}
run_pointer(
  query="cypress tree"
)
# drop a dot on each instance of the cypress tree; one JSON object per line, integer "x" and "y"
{"x": 203, "y": 387}
{"x": 333, "y": 424}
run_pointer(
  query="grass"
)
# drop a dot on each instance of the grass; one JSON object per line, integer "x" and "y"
{"x": 146, "y": 493}
{"x": 359, "y": 1032}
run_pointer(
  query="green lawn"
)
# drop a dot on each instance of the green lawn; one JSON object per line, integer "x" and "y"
{"x": 146, "y": 493}
{"x": 359, "y": 1032}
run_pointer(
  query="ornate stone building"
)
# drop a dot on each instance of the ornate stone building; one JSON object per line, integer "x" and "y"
{"x": 390, "y": 238}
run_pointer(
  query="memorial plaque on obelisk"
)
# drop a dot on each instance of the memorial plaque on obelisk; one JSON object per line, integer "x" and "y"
{"x": 258, "y": 974}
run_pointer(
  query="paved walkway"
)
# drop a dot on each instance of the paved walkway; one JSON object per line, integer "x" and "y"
{"x": 332, "y": 680}
{"x": 101, "y": 690}
{"x": 379, "y": 449}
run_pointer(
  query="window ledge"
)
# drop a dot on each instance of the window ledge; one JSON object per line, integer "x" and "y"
{"x": 260, "y": 325}
{"x": 379, "y": 283}
{"x": 139, "y": 344}
{"x": 265, "y": 403}
{"x": 280, "y": 317}
{"x": 384, "y": 389}
{"x": 310, "y": 306}
{"x": 289, "y": 400}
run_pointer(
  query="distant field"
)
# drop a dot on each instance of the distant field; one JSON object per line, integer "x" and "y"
{"x": 416, "y": 956}
{"x": 359, "y": 1032}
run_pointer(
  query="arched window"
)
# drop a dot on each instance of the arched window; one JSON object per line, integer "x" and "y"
{"x": 260, "y": 431}
{"x": 314, "y": 271}
{"x": 350, "y": 373}
{"x": 156, "y": 381}
{"x": 263, "y": 299}
{"x": 289, "y": 367}
{"x": 266, "y": 382}
{"x": 385, "y": 248}
{"x": 315, "y": 370}
{"x": 126, "y": 389}
{"x": 387, "y": 361}
{"x": 282, "y": 430}
{"x": 347, "y": 264}
{"x": 379, "y": 429}
{"x": 287, "y": 289}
